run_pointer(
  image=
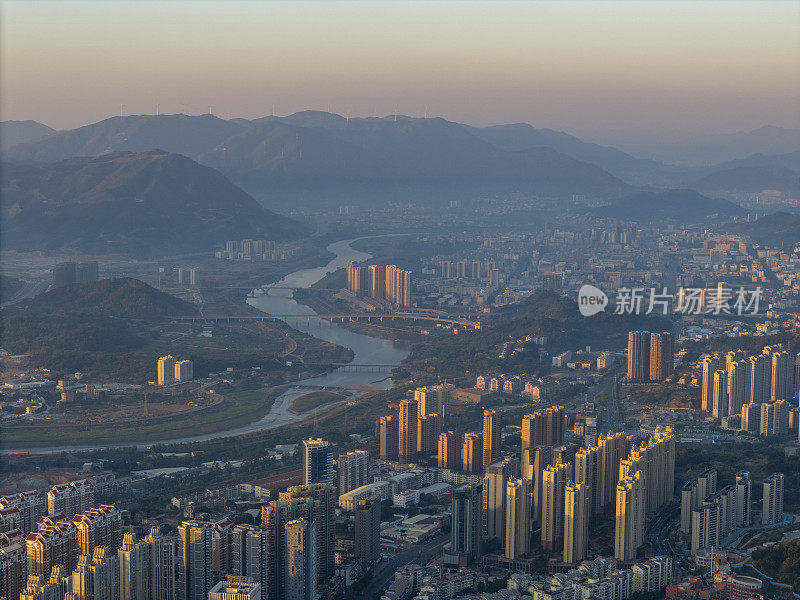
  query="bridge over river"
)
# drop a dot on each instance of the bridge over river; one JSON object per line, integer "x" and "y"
{"x": 446, "y": 318}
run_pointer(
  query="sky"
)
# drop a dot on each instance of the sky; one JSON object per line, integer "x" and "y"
{"x": 606, "y": 71}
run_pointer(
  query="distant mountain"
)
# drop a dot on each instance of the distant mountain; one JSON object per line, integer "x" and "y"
{"x": 144, "y": 204}
{"x": 21, "y": 132}
{"x": 121, "y": 297}
{"x": 180, "y": 134}
{"x": 403, "y": 151}
{"x": 750, "y": 179}
{"x": 790, "y": 160}
{"x": 316, "y": 148}
{"x": 710, "y": 149}
{"x": 775, "y": 229}
{"x": 684, "y": 206}
{"x": 521, "y": 136}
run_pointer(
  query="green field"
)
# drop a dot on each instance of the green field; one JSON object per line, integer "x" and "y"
{"x": 237, "y": 409}
{"x": 313, "y": 400}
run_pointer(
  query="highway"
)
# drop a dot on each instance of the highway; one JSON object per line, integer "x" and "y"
{"x": 31, "y": 289}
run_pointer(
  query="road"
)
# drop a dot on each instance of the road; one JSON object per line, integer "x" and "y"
{"x": 384, "y": 570}
{"x": 658, "y": 530}
{"x": 29, "y": 290}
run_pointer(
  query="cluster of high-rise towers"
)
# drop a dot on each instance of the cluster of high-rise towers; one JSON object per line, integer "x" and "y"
{"x": 760, "y": 391}
{"x": 651, "y": 356}
{"x": 89, "y": 556}
{"x": 389, "y": 283}
{"x": 556, "y": 486}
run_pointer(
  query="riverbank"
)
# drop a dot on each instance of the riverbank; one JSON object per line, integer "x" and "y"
{"x": 366, "y": 350}
{"x": 235, "y": 409}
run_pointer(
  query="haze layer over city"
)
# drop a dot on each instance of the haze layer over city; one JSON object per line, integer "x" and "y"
{"x": 399, "y": 301}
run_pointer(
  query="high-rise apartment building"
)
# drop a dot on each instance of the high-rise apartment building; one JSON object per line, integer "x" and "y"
{"x": 772, "y": 500}
{"x": 576, "y": 522}
{"x": 554, "y": 481}
{"x": 517, "y": 518}
{"x": 780, "y": 418}
{"x": 32, "y": 506}
{"x": 147, "y": 567}
{"x": 638, "y": 356}
{"x": 353, "y": 470}
{"x": 166, "y": 370}
{"x": 317, "y": 456}
{"x": 368, "y": 530}
{"x": 377, "y": 281}
{"x": 662, "y": 355}
{"x": 250, "y": 555}
{"x": 630, "y": 513}
{"x": 588, "y": 473}
{"x": 99, "y": 527}
{"x": 744, "y": 499}
{"x": 767, "y": 419}
{"x": 493, "y": 515}
{"x": 314, "y": 502}
{"x": 184, "y": 370}
{"x": 796, "y": 388}
{"x": 543, "y": 428}
{"x": 707, "y": 484}
{"x": 301, "y": 560}
{"x": 751, "y": 418}
{"x": 656, "y": 461}
{"x": 541, "y": 459}
{"x": 53, "y": 544}
{"x": 466, "y": 521}
{"x": 707, "y": 525}
{"x": 398, "y": 286}
{"x": 738, "y": 386}
{"x": 69, "y": 499}
{"x": 13, "y": 563}
{"x": 710, "y": 365}
{"x": 407, "y": 431}
{"x": 492, "y": 438}
{"x": 429, "y": 427}
{"x": 651, "y": 356}
{"x": 432, "y": 399}
{"x": 782, "y": 376}
{"x": 472, "y": 455}
{"x": 714, "y": 519}
{"x": 694, "y": 493}
{"x": 720, "y": 395}
{"x": 42, "y": 588}
{"x": 96, "y": 577}
{"x": 760, "y": 377}
{"x": 64, "y": 273}
{"x": 357, "y": 283}
{"x": 613, "y": 449}
{"x": 389, "y": 437}
{"x": 195, "y": 560}
{"x": 450, "y": 450}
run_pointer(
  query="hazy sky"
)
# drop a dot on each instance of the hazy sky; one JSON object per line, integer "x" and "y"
{"x": 605, "y": 70}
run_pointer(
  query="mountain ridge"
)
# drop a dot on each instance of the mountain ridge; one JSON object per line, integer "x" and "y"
{"x": 20, "y": 132}
{"x": 322, "y": 147}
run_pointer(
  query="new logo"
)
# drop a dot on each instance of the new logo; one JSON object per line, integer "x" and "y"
{"x": 591, "y": 300}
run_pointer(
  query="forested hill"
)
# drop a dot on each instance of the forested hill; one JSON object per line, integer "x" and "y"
{"x": 543, "y": 314}
{"x": 123, "y": 297}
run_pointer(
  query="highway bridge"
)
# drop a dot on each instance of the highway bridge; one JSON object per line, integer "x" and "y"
{"x": 268, "y": 287}
{"x": 447, "y": 318}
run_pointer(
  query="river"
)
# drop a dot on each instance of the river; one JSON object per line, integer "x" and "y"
{"x": 366, "y": 350}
